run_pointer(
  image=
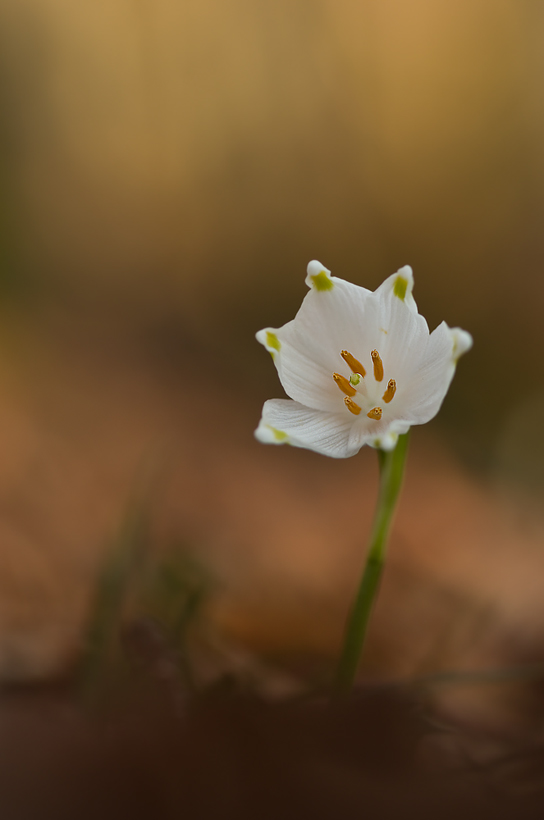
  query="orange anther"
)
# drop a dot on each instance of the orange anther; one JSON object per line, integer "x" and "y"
{"x": 390, "y": 392}
{"x": 352, "y": 407}
{"x": 378, "y": 365}
{"x": 344, "y": 384}
{"x": 353, "y": 363}
{"x": 375, "y": 413}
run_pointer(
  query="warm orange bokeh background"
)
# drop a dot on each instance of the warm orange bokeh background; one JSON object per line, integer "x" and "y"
{"x": 168, "y": 169}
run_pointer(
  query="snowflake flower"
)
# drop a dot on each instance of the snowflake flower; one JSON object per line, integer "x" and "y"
{"x": 360, "y": 367}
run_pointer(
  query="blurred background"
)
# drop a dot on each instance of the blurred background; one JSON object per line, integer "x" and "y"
{"x": 168, "y": 168}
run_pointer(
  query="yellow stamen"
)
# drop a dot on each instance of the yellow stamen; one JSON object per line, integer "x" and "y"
{"x": 378, "y": 365}
{"x": 352, "y": 407}
{"x": 353, "y": 363}
{"x": 390, "y": 392}
{"x": 344, "y": 384}
{"x": 375, "y": 413}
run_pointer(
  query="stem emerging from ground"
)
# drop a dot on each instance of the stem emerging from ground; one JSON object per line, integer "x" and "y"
{"x": 391, "y": 473}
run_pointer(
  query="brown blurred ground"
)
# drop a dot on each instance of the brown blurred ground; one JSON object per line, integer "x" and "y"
{"x": 235, "y": 757}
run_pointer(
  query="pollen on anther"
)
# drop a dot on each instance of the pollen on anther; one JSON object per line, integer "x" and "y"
{"x": 375, "y": 413}
{"x": 344, "y": 384}
{"x": 353, "y": 363}
{"x": 390, "y": 392}
{"x": 352, "y": 406}
{"x": 378, "y": 365}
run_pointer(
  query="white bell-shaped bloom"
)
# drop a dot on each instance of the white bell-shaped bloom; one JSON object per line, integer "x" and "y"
{"x": 360, "y": 367}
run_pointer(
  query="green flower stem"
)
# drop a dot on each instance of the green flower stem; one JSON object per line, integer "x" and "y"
{"x": 391, "y": 474}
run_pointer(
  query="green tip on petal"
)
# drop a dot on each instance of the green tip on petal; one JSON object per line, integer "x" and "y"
{"x": 318, "y": 276}
{"x": 272, "y": 341}
{"x": 400, "y": 287}
{"x": 321, "y": 281}
{"x": 279, "y": 435}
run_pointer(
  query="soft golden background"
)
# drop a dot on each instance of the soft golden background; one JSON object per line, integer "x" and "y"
{"x": 167, "y": 171}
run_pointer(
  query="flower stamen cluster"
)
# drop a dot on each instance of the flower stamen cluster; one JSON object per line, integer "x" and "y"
{"x": 355, "y": 386}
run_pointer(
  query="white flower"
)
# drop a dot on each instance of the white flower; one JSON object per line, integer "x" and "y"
{"x": 360, "y": 367}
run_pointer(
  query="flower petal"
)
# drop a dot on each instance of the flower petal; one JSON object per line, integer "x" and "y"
{"x": 429, "y": 383}
{"x": 384, "y": 437}
{"x": 302, "y": 375}
{"x": 397, "y": 330}
{"x": 386, "y": 442}
{"x": 330, "y": 320}
{"x": 288, "y": 422}
{"x": 462, "y": 342}
{"x": 400, "y": 285}
{"x": 306, "y": 351}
